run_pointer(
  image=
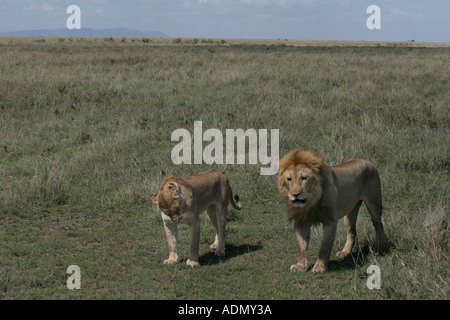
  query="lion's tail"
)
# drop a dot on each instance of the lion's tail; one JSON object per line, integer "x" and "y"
{"x": 235, "y": 202}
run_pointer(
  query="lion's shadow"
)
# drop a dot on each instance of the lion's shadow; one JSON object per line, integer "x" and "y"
{"x": 231, "y": 251}
{"x": 360, "y": 256}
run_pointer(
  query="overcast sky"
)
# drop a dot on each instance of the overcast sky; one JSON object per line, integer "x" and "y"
{"x": 401, "y": 20}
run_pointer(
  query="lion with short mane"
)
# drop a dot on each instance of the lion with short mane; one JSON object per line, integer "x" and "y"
{"x": 183, "y": 200}
{"x": 316, "y": 193}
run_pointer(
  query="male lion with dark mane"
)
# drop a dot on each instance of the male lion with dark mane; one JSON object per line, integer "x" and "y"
{"x": 316, "y": 193}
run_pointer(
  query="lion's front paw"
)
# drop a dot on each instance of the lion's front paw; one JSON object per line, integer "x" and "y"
{"x": 192, "y": 263}
{"x": 320, "y": 267}
{"x": 299, "y": 266}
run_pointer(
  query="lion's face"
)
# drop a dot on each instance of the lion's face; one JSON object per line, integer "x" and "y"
{"x": 301, "y": 185}
{"x": 170, "y": 201}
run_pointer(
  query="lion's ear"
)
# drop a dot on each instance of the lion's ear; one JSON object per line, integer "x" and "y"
{"x": 317, "y": 166}
{"x": 173, "y": 186}
{"x": 154, "y": 198}
{"x": 176, "y": 186}
{"x": 280, "y": 169}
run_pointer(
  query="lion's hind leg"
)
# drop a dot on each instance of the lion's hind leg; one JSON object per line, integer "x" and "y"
{"x": 373, "y": 200}
{"x": 375, "y": 209}
{"x": 221, "y": 223}
{"x": 218, "y": 220}
{"x": 350, "y": 228}
{"x": 211, "y": 210}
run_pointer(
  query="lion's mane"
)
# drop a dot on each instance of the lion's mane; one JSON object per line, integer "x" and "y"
{"x": 321, "y": 209}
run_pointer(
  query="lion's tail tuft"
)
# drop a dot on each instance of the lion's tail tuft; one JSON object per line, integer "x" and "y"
{"x": 236, "y": 203}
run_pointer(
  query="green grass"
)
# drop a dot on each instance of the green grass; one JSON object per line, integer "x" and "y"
{"x": 85, "y": 139}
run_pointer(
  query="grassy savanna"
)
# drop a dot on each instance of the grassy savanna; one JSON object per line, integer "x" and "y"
{"x": 85, "y": 138}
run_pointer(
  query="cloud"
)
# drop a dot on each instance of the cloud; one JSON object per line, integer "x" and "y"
{"x": 397, "y": 12}
{"x": 306, "y": 3}
{"x": 48, "y": 7}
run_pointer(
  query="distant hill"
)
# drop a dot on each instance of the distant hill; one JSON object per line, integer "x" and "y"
{"x": 85, "y": 32}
